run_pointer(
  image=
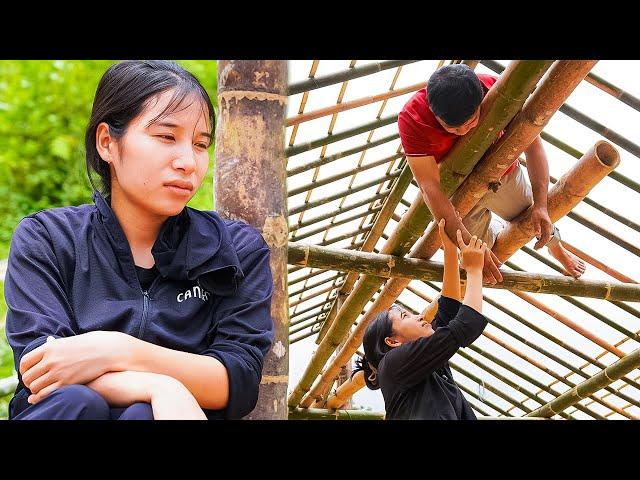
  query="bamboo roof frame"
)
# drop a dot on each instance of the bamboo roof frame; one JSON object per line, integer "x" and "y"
{"x": 353, "y": 217}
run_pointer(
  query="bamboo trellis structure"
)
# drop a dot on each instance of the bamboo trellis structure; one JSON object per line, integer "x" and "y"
{"x": 350, "y": 189}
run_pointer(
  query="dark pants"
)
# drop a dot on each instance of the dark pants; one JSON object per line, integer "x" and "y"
{"x": 75, "y": 402}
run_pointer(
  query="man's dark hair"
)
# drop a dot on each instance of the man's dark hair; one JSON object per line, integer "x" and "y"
{"x": 124, "y": 91}
{"x": 455, "y": 92}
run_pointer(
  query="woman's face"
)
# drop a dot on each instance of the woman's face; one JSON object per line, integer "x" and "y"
{"x": 407, "y": 327}
{"x": 159, "y": 166}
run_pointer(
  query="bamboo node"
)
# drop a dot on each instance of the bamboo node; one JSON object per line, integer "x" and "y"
{"x": 239, "y": 95}
{"x": 275, "y": 231}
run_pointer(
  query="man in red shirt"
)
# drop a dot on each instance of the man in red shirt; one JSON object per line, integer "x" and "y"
{"x": 430, "y": 123}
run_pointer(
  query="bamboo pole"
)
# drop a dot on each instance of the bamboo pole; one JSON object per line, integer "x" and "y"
{"x": 387, "y": 266}
{"x": 325, "y": 414}
{"x": 337, "y": 212}
{"x": 336, "y": 137}
{"x": 614, "y": 91}
{"x": 360, "y": 102}
{"x": 250, "y": 158}
{"x": 335, "y": 196}
{"x": 357, "y": 72}
{"x": 498, "y": 107}
{"x": 610, "y": 374}
{"x": 333, "y": 178}
{"x": 342, "y": 221}
{"x": 572, "y": 187}
{"x": 337, "y": 156}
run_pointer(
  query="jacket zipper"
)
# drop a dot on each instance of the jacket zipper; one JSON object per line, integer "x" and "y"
{"x": 145, "y": 306}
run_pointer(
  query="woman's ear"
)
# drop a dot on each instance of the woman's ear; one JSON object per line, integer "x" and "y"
{"x": 105, "y": 143}
{"x": 392, "y": 342}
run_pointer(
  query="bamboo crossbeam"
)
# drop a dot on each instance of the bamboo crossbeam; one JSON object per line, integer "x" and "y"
{"x": 313, "y": 285}
{"x": 614, "y": 91}
{"x": 304, "y": 326}
{"x": 303, "y": 100}
{"x": 609, "y": 375}
{"x": 356, "y": 72}
{"x": 603, "y": 232}
{"x": 387, "y": 266}
{"x": 321, "y": 201}
{"x": 305, "y": 277}
{"x": 319, "y": 314}
{"x": 336, "y": 137}
{"x": 360, "y": 102}
{"x": 570, "y": 189}
{"x": 301, "y": 337}
{"x": 337, "y": 156}
{"x": 498, "y": 107}
{"x": 325, "y": 414}
{"x": 471, "y": 393}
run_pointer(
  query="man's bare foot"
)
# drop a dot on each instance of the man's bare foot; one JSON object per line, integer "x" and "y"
{"x": 572, "y": 264}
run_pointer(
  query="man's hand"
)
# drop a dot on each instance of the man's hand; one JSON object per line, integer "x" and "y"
{"x": 542, "y": 224}
{"x": 490, "y": 272}
{"x": 72, "y": 360}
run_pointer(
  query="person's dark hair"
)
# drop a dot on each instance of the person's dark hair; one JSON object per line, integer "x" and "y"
{"x": 374, "y": 348}
{"x": 455, "y": 92}
{"x": 122, "y": 94}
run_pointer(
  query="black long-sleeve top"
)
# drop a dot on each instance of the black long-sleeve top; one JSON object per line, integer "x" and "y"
{"x": 415, "y": 378}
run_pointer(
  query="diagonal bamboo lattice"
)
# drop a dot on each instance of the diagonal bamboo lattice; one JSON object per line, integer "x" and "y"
{"x": 352, "y": 190}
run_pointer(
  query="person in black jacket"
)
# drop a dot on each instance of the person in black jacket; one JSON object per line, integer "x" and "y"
{"x": 407, "y": 357}
{"x": 138, "y": 307}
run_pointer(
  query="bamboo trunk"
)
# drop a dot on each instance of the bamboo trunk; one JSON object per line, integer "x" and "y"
{"x": 570, "y": 189}
{"x": 250, "y": 158}
{"x": 610, "y": 374}
{"x": 387, "y": 266}
{"x": 499, "y": 106}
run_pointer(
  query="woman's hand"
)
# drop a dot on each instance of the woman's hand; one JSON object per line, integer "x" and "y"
{"x": 472, "y": 254}
{"x": 71, "y": 360}
{"x": 169, "y": 398}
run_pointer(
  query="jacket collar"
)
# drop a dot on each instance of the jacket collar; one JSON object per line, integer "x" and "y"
{"x": 193, "y": 245}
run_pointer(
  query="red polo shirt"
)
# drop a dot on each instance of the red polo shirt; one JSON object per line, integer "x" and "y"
{"x": 421, "y": 133}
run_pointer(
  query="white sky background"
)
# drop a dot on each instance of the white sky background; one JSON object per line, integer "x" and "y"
{"x": 588, "y": 99}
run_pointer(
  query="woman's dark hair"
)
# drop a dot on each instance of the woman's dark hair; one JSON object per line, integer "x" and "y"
{"x": 374, "y": 348}
{"x": 454, "y": 93}
{"x": 123, "y": 93}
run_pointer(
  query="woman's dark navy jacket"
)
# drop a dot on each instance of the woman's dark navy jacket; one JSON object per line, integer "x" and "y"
{"x": 71, "y": 271}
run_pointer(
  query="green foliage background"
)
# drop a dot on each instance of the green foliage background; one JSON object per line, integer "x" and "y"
{"x": 44, "y": 110}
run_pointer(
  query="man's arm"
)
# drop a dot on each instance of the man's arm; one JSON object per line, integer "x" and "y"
{"x": 538, "y": 171}
{"x": 427, "y": 174}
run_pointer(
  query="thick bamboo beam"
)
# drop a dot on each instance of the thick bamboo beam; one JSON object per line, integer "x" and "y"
{"x": 325, "y": 414}
{"x": 356, "y": 72}
{"x": 250, "y": 158}
{"x": 387, "y": 266}
{"x": 499, "y": 106}
{"x": 609, "y": 375}
{"x": 570, "y": 189}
